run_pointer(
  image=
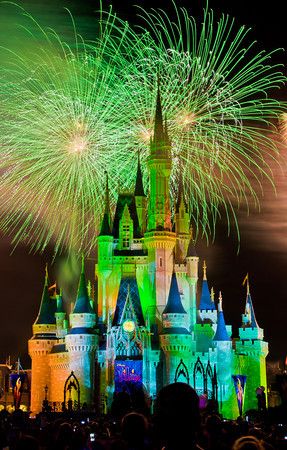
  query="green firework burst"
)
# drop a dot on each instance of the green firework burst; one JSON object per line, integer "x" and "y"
{"x": 215, "y": 89}
{"x": 60, "y": 130}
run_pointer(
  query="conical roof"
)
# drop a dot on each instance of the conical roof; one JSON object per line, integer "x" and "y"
{"x": 48, "y": 306}
{"x": 221, "y": 332}
{"x": 139, "y": 189}
{"x": 174, "y": 304}
{"x": 83, "y": 304}
{"x": 106, "y": 221}
{"x": 205, "y": 298}
{"x": 249, "y": 309}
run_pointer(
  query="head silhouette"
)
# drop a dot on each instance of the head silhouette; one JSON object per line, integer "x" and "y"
{"x": 177, "y": 414}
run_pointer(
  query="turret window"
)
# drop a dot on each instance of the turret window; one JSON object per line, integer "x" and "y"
{"x": 126, "y": 236}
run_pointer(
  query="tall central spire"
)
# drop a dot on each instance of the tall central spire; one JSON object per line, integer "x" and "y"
{"x": 106, "y": 221}
{"x": 159, "y": 164}
{"x": 158, "y": 122}
{"x": 160, "y": 142}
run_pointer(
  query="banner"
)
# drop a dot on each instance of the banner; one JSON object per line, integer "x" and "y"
{"x": 239, "y": 384}
{"x": 17, "y": 380}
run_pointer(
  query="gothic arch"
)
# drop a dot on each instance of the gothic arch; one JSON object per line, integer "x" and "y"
{"x": 181, "y": 370}
{"x": 209, "y": 388}
{"x": 72, "y": 382}
{"x": 199, "y": 369}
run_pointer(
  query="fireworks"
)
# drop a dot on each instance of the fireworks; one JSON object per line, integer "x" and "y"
{"x": 59, "y": 133}
{"x": 70, "y": 112}
{"x": 214, "y": 87}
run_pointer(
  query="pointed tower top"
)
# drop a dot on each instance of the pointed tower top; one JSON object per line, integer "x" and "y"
{"x": 158, "y": 122}
{"x": 106, "y": 222}
{"x": 160, "y": 136}
{"x": 139, "y": 189}
{"x": 174, "y": 304}
{"x": 206, "y": 301}
{"x": 221, "y": 332}
{"x": 48, "y": 305}
{"x": 180, "y": 193}
{"x": 249, "y": 309}
{"x": 212, "y": 294}
{"x": 204, "y": 270}
{"x": 82, "y": 304}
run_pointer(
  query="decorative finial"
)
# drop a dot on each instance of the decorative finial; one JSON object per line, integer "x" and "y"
{"x": 89, "y": 288}
{"x": 220, "y": 301}
{"x": 212, "y": 294}
{"x": 46, "y": 273}
{"x": 204, "y": 270}
{"x": 246, "y": 280}
{"x": 83, "y": 263}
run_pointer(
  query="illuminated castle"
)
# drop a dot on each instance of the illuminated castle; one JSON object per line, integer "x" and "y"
{"x": 145, "y": 326}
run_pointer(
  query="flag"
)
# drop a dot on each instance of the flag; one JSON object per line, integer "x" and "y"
{"x": 239, "y": 385}
{"x": 245, "y": 280}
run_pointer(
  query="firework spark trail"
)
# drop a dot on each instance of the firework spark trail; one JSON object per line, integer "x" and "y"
{"x": 214, "y": 87}
{"x": 71, "y": 112}
{"x": 59, "y": 133}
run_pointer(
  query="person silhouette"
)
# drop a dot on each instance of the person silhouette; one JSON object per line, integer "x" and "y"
{"x": 177, "y": 417}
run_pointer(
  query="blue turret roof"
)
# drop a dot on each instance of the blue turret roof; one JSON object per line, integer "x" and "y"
{"x": 83, "y": 304}
{"x": 48, "y": 306}
{"x": 221, "y": 332}
{"x": 174, "y": 305}
{"x": 249, "y": 310}
{"x": 205, "y": 299}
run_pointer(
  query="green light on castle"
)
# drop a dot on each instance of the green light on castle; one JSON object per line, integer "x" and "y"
{"x": 146, "y": 327}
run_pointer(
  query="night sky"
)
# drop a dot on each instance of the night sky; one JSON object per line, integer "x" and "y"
{"x": 263, "y": 248}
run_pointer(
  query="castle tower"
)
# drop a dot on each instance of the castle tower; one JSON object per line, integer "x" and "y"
{"x": 82, "y": 342}
{"x": 175, "y": 339}
{"x": 140, "y": 198}
{"x": 40, "y": 345}
{"x": 225, "y": 362}
{"x": 252, "y": 351}
{"x": 105, "y": 252}
{"x": 159, "y": 239}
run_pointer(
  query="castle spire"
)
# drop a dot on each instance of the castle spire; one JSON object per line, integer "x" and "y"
{"x": 82, "y": 304}
{"x": 180, "y": 193}
{"x": 206, "y": 302}
{"x": 159, "y": 133}
{"x": 139, "y": 189}
{"x": 106, "y": 222}
{"x": 249, "y": 318}
{"x": 174, "y": 304}
{"x": 160, "y": 143}
{"x": 47, "y": 310}
{"x": 221, "y": 332}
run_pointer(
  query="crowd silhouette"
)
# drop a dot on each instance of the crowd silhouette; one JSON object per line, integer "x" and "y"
{"x": 177, "y": 423}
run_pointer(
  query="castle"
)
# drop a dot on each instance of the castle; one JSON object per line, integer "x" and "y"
{"x": 145, "y": 326}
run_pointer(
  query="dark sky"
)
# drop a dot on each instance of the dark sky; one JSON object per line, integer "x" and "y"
{"x": 263, "y": 251}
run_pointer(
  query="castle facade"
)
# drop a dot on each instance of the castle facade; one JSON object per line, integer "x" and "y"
{"x": 148, "y": 324}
